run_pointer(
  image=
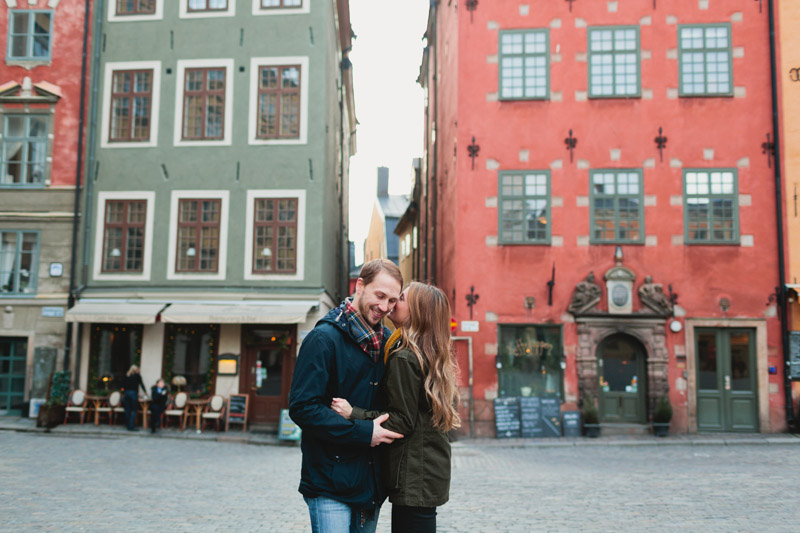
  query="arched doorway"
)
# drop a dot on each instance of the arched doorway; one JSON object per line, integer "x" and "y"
{"x": 622, "y": 372}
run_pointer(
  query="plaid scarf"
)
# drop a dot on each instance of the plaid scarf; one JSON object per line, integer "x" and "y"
{"x": 368, "y": 338}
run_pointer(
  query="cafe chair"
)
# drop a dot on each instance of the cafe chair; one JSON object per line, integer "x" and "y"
{"x": 105, "y": 408}
{"x": 215, "y": 410}
{"x": 115, "y": 404}
{"x": 177, "y": 409}
{"x": 76, "y": 404}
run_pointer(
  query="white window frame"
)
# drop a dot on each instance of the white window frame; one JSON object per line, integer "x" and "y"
{"x": 305, "y": 8}
{"x": 113, "y": 17}
{"x": 183, "y": 64}
{"x": 252, "y": 119}
{"x": 252, "y": 194}
{"x": 222, "y": 262}
{"x": 184, "y": 12}
{"x": 155, "y": 104}
{"x": 150, "y": 199}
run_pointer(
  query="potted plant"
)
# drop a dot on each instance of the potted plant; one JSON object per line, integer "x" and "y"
{"x": 662, "y": 415}
{"x": 591, "y": 418}
{"x": 52, "y": 412}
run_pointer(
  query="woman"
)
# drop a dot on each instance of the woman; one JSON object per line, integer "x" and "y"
{"x": 420, "y": 394}
{"x": 130, "y": 399}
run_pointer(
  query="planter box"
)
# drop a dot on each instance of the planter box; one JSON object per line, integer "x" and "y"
{"x": 660, "y": 429}
{"x": 50, "y": 416}
{"x": 591, "y": 430}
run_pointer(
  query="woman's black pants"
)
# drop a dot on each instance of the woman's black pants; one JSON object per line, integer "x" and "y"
{"x": 413, "y": 519}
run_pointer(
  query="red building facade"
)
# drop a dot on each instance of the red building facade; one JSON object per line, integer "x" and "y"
{"x": 595, "y": 199}
{"x": 40, "y": 120}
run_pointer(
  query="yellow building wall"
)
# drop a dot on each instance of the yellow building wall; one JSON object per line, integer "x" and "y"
{"x": 375, "y": 244}
{"x": 789, "y": 80}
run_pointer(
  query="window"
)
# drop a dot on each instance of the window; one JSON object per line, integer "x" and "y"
{"x": 207, "y": 5}
{"x": 19, "y": 262}
{"x": 131, "y": 105}
{"x": 275, "y": 242}
{"x": 614, "y": 62}
{"x": 524, "y": 64}
{"x": 24, "y": 148}
{"x": 279, "y": 102}
{"x": 136, "y": 7}
{"x": 711, "y": 206}
{"x": 124, "y": 235}
{"x": 198, "y": 235}
{"x": 204, "y": 104}
{"x": 529, "y": 361}
{"x": 29, "y": 35}
{"x": 272, "y": 4}
{"x": 616, "y": 206}
{"x": 190, "y": 351}
{"x": 705, "y": 60}
{"x": 525, "y": 207}
{"x": 113, "y": 348}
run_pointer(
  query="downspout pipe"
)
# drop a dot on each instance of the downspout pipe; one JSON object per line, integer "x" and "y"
{"x": 435, "y": 185}
{"x": 782, "y": 296}
{"x": 73, "y": 260}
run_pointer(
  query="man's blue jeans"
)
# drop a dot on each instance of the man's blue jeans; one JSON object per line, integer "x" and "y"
{"x": 330, "y": 516}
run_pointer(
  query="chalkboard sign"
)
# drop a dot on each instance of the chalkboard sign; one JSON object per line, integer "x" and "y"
{"x": 572, "y": 423}
{"x": 288, "y": 429}
{"x": 506, "y": 417}
{"x": 794, "y": 355}
{"x": 551, "y": 416}
{"x": 237, "y": 410}
{"x": 531, "y": 416}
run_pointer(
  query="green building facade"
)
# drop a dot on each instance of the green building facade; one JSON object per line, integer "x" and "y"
{"x": 216, "y": 198}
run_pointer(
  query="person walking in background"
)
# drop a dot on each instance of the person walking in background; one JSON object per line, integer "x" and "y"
{"x": 158, "y": 395}
{"x": 130, "y": 399}
{"x": 420, "y": 392}
{"x": 343, "y": 357}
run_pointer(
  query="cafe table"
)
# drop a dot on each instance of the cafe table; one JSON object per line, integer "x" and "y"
{"x": 144, "y": 404}
{"x": 96, "y": 402}
{"x": 197, "y": 405}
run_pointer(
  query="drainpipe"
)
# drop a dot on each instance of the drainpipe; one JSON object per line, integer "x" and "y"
{"x": 434, "y": 200}
{"x": 78, "y": 171}
{"x": 787, "y": 382}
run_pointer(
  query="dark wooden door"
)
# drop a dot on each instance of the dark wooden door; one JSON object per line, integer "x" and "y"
{"x": 621, "y": 361}
{"x": 267, "y": 371}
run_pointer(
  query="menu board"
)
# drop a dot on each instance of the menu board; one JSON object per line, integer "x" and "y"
{"x": 288, "y": 429}
{"x": 572, "y": 423}
{"x": 237, "y": 411}
{"x": 794, "y": 355}
{"x": 531, "y": 416}
{"x": 551, "y": 416}
{"x": 507, "y": 417}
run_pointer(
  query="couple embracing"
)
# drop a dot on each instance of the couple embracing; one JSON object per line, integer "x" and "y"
{"x": 375, "y": 407}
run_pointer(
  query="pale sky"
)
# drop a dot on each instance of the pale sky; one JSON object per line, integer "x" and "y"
{"x": 389, "y": 103}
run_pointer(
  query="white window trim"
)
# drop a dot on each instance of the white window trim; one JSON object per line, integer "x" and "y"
{"x": 252, "y": 194}
{"x": 149, "y": 197}
{"x": 181, "y": 74}
{"x": 173, "y": 234}
{"x": 184, "y": 12}
{"x": 113, "y": 17}
{"x": 105, "y": 121}
{"x": 252, "y": 122}
{"x": 305, "y": 8}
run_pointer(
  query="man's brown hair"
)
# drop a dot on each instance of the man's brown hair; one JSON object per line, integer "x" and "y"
{"x": 376, "y": 266}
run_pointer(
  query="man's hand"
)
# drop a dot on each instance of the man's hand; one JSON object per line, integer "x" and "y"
{"x": 342, "y": 406}
{"x": 381, "y": 435}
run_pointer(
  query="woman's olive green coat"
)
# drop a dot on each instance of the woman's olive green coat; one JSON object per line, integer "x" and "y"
{"x": 415, "y": 470}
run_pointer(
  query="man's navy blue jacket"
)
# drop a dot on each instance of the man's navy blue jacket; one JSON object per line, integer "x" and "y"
{"x": 338, "y": 462}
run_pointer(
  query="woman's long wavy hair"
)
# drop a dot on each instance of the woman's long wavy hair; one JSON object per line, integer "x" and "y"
{"x": 427, "y": 335}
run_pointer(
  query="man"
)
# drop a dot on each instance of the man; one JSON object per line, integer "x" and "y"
{"x": 343, "y": 357}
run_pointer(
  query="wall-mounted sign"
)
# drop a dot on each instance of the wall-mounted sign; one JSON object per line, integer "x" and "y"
{"x": 228, "y": 364}
{"x": 470, "y": 326}
{"x": 56, "y": 270}
{"x": 53, "y": 312}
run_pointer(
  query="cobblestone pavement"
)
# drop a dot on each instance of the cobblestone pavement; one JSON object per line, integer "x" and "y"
{"x": 124, "y": 483}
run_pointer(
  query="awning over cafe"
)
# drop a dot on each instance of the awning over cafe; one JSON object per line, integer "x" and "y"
{"x": 244, "y": 313}
{"x": 117, "y": 312}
